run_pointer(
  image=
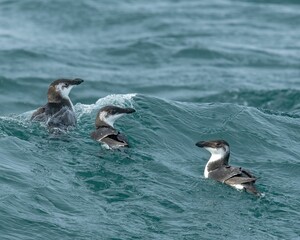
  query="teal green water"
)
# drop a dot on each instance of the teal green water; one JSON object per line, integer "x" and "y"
{"x": 193, "y": 70}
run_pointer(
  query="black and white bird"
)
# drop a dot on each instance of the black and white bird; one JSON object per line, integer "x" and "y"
{"x": 105, "y": 132}
{"x": 217, "y": 167}
{"x": 58, "y": 112}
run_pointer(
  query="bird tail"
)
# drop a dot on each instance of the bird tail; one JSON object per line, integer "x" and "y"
{"x": 250, "y": 188}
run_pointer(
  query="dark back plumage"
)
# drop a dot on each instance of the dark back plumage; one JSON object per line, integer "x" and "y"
{"x": 106, "y": 133}
{"x": 219, "y": 170}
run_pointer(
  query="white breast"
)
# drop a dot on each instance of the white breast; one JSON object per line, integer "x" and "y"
{"x": 216, "y": 154}
{"x": 205, "y": 172}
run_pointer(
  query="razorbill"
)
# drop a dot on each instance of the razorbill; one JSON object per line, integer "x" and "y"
{"x": 217, "y": 167}
{"x": 58, "y": 112}
{"x": 105, "y": 132}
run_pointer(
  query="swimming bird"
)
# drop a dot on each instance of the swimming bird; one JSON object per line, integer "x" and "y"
{"x": 105, "y": 131}
{"x": 217, "y": 167}
{"x": 58, "y": 112}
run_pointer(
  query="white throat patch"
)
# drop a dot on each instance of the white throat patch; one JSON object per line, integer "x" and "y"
{"x": 110, "y": 120}
{"x": 64, "y": 91}
{"x": 216, "y": 154}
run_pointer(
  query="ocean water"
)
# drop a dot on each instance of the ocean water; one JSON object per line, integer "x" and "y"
{"x": 193, "y": 70}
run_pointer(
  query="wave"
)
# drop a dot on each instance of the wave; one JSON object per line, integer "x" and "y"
{"x": 241, "y": 56}
{"x": 29, "y": 55}
{"x": 235, "y": 100}
{"x": 161, "y": 128}
{"x": 198, "y": 53}
{"x": 162, "y": 168}
{"x": 122, "y": 100}
{"x": 285, "y": 100}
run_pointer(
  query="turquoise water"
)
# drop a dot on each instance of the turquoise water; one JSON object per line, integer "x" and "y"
{"x": 193, "y": 70}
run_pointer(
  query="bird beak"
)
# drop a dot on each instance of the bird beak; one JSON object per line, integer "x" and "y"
{"x": 76, "y": 81}
{"x": 201, "y": 144}
{"x": 129, "y": 110}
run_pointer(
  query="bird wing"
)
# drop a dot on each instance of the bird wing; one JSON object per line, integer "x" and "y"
{"x": 110, "y": 136}
{"x": 122, "y": 138}
{"x": 63, "y": 118}
{"x": 232, "y": 175}
{"x": 114, "y": 142}
{"x": 39, "y": 114}
{"x": 102, "y": 133}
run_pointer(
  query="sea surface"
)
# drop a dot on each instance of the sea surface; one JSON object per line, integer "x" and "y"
{"x": 193, "y": 70}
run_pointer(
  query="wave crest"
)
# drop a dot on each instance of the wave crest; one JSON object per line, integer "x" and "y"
{"x": 113, "y": 99}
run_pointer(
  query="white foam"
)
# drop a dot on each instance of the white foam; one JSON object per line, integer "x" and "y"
{"x": 21, "y": 119}
{"x": 121, "y": 100}
{"x": 27, "y": 115}
{"x": 105, "y": 146}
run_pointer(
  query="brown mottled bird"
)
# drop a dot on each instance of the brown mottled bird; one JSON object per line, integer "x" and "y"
{"x": 58, "y": 112}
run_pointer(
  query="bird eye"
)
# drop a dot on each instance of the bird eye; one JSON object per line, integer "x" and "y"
{"x": 66, "y": 84}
